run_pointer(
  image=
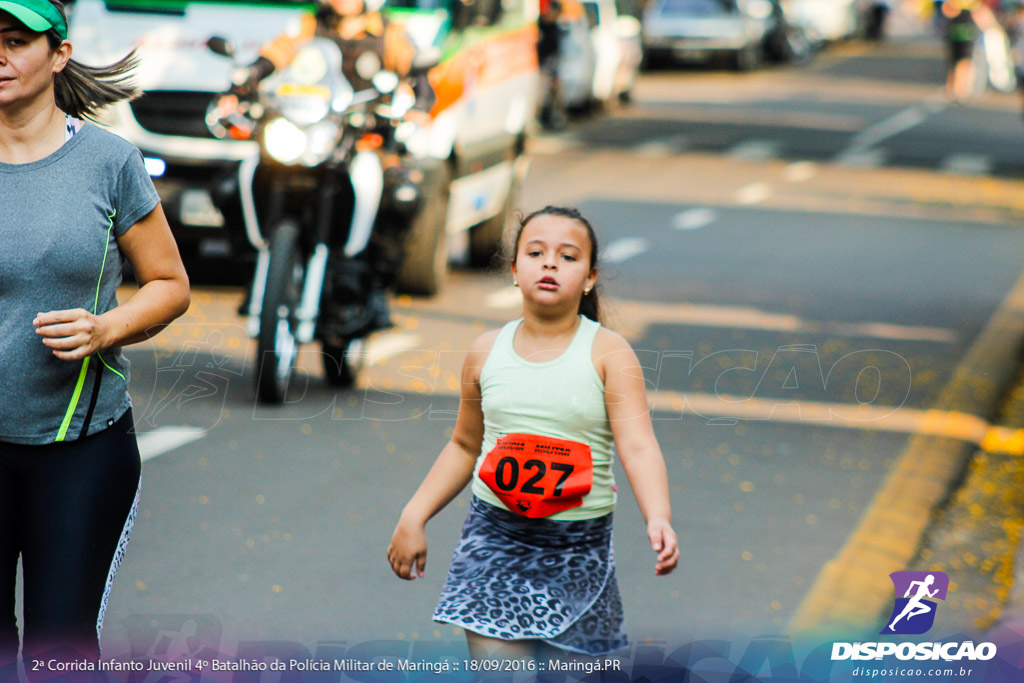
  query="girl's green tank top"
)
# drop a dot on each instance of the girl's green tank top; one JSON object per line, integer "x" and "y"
{"x": 561, "y": 398}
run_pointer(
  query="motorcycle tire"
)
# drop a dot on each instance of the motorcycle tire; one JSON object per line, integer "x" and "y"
{"x": 276, "y": 345}
{"x": 342, "y": 361}
{"x": 425, "y": 264}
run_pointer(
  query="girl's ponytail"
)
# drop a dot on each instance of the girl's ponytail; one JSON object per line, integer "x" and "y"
{"x": 81, "y": 90}
{"x": 590, "y": 305}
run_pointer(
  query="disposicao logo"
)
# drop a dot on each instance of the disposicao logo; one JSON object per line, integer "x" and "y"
{"x": 914, "y": 613}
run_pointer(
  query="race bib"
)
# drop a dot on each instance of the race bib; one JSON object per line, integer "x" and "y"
{"x": 537, "y": 476}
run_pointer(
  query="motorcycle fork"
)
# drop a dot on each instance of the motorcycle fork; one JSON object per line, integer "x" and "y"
{"x": 316, "y": 267}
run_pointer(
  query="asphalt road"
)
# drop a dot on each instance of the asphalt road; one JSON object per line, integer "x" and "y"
{"x": 800, "y": 256}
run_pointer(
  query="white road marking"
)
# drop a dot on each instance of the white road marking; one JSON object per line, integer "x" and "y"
{"x": 659, "y": 148}
{"x": 694, "y": 219}
{"x": 755, "y": 193}
{"x": 860, "y": 152}
{"x": 624, "y": 249}
{"x": 388, "y": 345}
{"x": 756, "y": 150}
{"x": 899, "y": 122}
{"x": 864, "y": 158}
{"x": 967, "y": 164}
{"x": 506, "y": 297}
{"x": 799, "y": 171}
{"x": 161, "y": 440}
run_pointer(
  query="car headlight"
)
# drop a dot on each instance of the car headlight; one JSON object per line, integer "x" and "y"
{"x": 289, "y": 144}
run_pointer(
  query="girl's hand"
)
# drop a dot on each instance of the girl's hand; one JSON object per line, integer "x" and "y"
{"x": 407, "y": 553}
{"x": 664, "y": 542}
{"x": 72, "y": 334}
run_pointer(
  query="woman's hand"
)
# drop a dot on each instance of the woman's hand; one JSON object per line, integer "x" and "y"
{"x": 407, "y": 553}
{"x": 663, "y": 541}
{"x": 72, "y": 334}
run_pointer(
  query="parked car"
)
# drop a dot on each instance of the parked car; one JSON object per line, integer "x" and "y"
{"x": 617, "y": 50}
{"x": 698, "y": 30}
{"x": 828, "y": 20}
{"x": 577, "y": 66}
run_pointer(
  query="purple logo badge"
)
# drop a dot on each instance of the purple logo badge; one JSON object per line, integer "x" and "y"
{"x": 916, "y": 592}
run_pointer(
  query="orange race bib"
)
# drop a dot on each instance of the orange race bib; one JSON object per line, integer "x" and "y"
{"x": 536, "y": 476}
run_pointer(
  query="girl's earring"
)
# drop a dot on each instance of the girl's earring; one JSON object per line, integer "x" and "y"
{"x": 515, "y": 283}
{"x": 586, "y": 291}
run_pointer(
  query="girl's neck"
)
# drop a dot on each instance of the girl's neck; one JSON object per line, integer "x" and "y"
{"x": 554, "y": 327}
{"x": 31, "y": 132}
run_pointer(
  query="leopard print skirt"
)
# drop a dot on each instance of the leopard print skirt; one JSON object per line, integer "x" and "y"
{"x": 515, "y": 578}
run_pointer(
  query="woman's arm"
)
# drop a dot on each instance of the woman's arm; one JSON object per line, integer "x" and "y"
{"x": 163, "y": 295}
{"x": 628, "y": 413}
{"x": 450, "y": 473}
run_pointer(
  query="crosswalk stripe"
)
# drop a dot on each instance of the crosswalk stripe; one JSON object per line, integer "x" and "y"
{"x": 624, "y": 249}
{"x": 694, "y": 219}
{"x": 388, "y": 345}
{"x": 660, "y": 148}
{"x": 967, "y": 164}
{"x": 862, "y": 158}
{"x": 755, "y": 150}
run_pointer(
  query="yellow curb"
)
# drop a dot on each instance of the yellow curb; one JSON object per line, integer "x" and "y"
{"x": 853, "y": 590}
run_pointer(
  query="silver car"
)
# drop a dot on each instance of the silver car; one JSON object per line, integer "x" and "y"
{"x": 698, "y": 30}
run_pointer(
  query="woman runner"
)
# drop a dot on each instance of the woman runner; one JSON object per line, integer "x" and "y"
{"x": 75, "y": 199}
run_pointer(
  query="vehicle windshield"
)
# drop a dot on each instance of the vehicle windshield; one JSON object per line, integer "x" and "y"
{"x": 693, "y": 8}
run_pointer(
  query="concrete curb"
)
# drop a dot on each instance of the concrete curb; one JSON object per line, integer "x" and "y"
{"x": 853, "y": 590}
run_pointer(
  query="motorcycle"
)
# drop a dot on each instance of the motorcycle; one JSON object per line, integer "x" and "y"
{"x": 304, "y": 222}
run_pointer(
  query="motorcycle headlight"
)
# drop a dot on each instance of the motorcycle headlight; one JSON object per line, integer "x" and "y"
{"x": 289, "y": 144}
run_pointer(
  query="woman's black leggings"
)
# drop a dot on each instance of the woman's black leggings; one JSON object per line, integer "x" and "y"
{"x": 67, "y": 509}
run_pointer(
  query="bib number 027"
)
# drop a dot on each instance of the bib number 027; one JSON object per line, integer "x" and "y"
{"x": 536, "y": 476}
{"x": 507, "y": 475}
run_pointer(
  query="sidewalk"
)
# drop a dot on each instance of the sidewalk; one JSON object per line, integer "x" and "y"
{"x": 976, "y": 537}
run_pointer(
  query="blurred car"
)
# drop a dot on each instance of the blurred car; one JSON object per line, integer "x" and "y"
{"x": 699, "y": 30}
{"x": 617, "y": 50}
{"x": 577, "y": 63}
{"x": 828, "y": 20}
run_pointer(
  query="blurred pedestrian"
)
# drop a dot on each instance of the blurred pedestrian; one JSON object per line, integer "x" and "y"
{"x": 76, "y": 199}
{"x": 961, "y": 32}
{"x": 1015, "y": 32}
{"x": 878, "y": 12}
{"x": 544, "y": 401}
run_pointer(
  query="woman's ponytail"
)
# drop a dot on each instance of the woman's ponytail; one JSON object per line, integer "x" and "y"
{"x": 82, "y": 91}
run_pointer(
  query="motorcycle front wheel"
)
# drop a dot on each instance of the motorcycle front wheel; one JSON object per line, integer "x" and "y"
{"x": 276, "y": 346}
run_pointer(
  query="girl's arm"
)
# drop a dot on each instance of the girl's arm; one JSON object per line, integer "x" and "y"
{"x": 163, "y": 295}
{"x": 628, "y": 413}
{"x": 450, "y": 473}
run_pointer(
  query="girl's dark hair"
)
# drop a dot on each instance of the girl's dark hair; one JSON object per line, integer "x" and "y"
{"x": 589, "y": 303}
{"x": 82, "y": 90}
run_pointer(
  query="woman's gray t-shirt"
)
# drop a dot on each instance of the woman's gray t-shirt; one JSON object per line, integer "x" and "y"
{"x": 59, "y": 220}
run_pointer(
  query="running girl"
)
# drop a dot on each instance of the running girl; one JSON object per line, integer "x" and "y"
{"x": 74, "y": 200}
{"x": 544, "y": 400}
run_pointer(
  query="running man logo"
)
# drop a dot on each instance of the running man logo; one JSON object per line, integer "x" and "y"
{"x": 914, "y": 613}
